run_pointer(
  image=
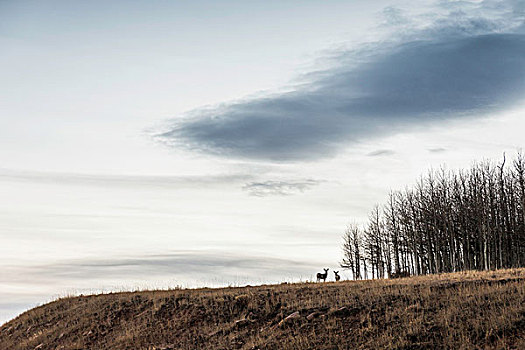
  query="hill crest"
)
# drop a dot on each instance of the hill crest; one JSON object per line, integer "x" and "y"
{"x": 460, "y": 310}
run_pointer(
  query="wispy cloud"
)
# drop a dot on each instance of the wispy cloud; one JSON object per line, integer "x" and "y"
{"x": 182, "y": 265}
{"x": 279, "y": 188}
{"x": 381, "y": 152}
{"x": 255, "y": 186}
{"x": 121, "y": 180}
{"x": 465, "y": 61}
{"x": 437, "y": 150}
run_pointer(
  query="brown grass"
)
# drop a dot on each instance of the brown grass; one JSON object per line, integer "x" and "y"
{"x": 471, "y": 310}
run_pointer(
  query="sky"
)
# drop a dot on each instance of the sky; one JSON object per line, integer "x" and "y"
{"x": 155, "y": 144}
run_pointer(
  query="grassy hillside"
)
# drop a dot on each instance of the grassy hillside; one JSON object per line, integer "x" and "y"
{"x": 462, "y": 310}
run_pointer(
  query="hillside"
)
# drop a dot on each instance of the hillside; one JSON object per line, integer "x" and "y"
{"x": 461, "y": 310}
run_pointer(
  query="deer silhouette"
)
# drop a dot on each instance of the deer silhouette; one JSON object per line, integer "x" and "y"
{"x": 322, "y": 276}
{"x": 337, "y": 277}
{"x": 400, "y": 274}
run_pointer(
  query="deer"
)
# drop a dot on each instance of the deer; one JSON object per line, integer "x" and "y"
{"x": 400, "y": 274}
{"x": 322, "y": 276}
{"x": 337, "y": 277}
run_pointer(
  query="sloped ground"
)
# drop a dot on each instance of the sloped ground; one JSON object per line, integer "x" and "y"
{"x": 472, "y": 310}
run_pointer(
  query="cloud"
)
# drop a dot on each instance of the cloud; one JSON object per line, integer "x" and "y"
{"x": 437, "y": 150}
{"x": 381, "y": 152}
{"x": 468, "y": 62}
{"x": 181, "y": 265}
{"x": 254, "y": 187}
{"x": 280, "y": 188}
{"x": 121, "y": 180}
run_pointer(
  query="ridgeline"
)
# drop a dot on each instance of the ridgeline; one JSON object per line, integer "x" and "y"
{"x": 465, "y": 310}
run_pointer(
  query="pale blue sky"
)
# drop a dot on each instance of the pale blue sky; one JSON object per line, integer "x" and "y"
{"x": 160, "y": 143}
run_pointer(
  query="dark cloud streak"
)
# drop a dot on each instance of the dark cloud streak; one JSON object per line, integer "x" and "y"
{"x": 121, "y": 180}
{"x": 461, "y": 67}
{"x": 194, "y": 265}
{"x": 437, "y": 150}
{"x": 381, "y": 153}
{"x": 279, "y": 188}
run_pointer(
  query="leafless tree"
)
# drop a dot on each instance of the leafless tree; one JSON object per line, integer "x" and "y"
{"x": 448, "y": 221}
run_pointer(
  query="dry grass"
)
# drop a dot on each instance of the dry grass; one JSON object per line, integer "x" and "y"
{"x": 471, "y": 310}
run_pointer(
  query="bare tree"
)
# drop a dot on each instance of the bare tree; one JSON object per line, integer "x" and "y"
{"x": 449, "y": 221}
{"x": 352, "y": 250}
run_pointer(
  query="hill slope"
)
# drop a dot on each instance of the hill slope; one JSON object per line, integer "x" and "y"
{"x": 462, "y": 310}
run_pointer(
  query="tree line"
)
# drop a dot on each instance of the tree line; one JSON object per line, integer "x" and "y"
{"x": 448, "y": 221}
